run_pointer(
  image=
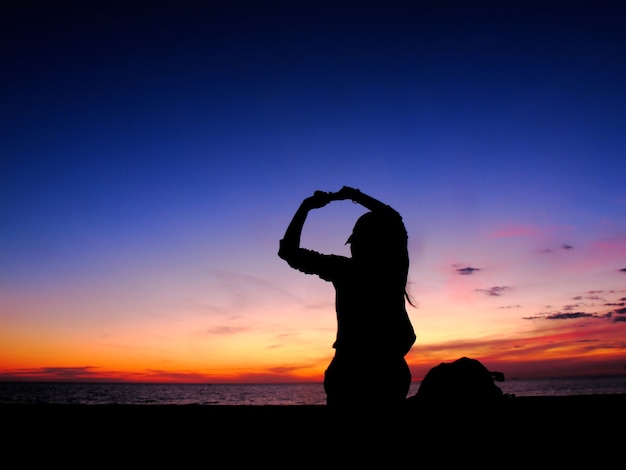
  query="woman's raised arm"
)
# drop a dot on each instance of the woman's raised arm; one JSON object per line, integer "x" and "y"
{"x": 361, "y": 198}
{"x": 291, "y": 240}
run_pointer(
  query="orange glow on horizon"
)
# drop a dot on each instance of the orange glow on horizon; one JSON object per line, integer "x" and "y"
{"x": 537, "y": 356}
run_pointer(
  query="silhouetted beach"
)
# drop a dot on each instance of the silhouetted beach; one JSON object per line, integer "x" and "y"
{"x": 566, "y": 428}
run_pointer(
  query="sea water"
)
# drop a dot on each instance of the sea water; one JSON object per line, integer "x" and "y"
{"x": 265, "y": 394}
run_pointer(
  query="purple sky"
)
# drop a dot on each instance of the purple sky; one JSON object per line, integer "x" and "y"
{"x": 154, "y": 152}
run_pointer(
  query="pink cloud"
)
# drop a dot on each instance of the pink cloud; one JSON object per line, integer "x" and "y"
{"x": 515, "y": 230}
{"x": 509, "y": 229}
{"x": 614, "y": 248}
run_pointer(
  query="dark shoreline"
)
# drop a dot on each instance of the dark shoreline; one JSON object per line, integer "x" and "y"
{"x": 579, "y": 408}
{"x": 556, "y": 427}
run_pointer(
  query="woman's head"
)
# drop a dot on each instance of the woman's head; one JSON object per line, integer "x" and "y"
{"x": 379, "y": 245}
{"x": 378, "y": 235}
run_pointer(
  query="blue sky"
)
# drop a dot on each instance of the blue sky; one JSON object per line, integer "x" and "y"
{"x": 154, "y": 152}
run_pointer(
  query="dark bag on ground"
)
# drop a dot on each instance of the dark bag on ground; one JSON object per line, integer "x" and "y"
{"x": 462, "y": 380}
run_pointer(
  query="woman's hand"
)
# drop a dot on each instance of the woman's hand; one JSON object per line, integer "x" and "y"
{"x": 322, "y": 198}
{"x": 345, "y": 193}
{"x": 319, "y": 199}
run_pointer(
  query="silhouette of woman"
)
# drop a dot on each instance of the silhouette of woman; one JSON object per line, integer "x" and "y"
{"x": 374, "y": 332}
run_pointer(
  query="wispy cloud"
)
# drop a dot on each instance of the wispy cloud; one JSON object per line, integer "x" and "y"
{"x": 62, "y": 374}
{"x": 564, "y": 246}
{"x": 227, "y": 330}
{"x": 539, "y": 352}
{"x": 92, "y": 374}
{"x": 467, "y": 270}
{"x": 568, "y": 315}
{"x": 604, "y": 308}
{"x": 238, "y": 292}
{"x": 516, "y": 230}
{"x": 495, "y": 291}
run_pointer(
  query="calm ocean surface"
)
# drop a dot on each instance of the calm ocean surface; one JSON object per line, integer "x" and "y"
{"x": 279, "y": 394}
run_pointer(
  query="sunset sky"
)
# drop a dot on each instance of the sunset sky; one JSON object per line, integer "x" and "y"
{"x": 152, "y": 155}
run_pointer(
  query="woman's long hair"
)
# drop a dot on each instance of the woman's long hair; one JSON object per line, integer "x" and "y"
{"x": 379, "y": 241}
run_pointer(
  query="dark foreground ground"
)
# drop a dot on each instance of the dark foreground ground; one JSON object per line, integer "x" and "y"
{"x": 519, "y": 431}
